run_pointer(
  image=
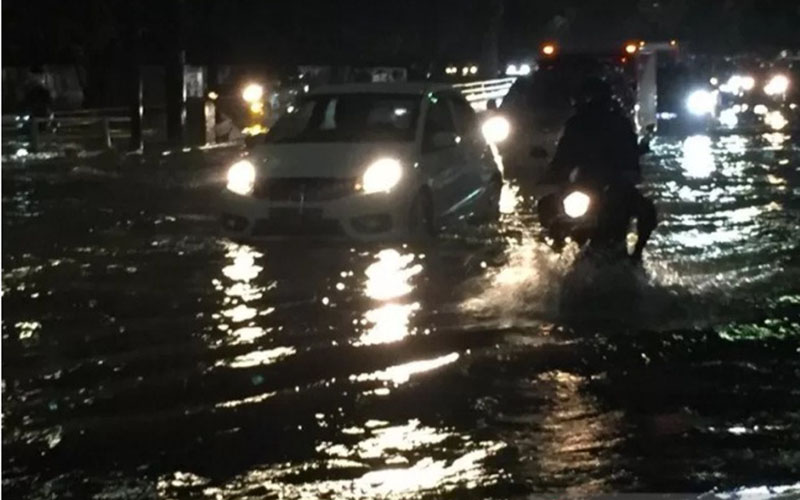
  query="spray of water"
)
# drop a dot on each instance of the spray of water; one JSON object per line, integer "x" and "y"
{"x": 533, "y": 283}
{"x": 525, "y": 286}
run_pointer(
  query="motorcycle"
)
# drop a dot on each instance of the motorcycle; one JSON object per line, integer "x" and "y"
{"x": 594, "y": 215}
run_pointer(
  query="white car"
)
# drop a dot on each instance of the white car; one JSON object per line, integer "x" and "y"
{"x": 365, "y": 161}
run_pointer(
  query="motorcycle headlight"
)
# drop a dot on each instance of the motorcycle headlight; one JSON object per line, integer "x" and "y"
{"x": 576, "y": 204}
{"x": 496, "y": 129}
{"x": 382, "y": 176}
{"x": 242, "y": 177}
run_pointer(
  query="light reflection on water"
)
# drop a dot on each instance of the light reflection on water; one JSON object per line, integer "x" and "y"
{"x": 399, "y": 461}
{"x": 698, "y": 159}
{"x": 401, "y": 374}
{"x": 390, "y": 323}
{"x": 572, "y": 441}
{"x": 283, "y": 375}
{"x": 256, "y": 358}
{"x": 386, "y": 442}
{"x": 389, "y": 279}
{"x": 240, "y": 290}
{"x": 776, "y": 140}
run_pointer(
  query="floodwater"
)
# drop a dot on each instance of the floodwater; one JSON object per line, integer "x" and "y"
{"x": 144, "y": 355}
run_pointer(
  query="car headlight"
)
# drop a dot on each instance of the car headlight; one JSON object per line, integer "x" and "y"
{"x": 777, "y": 85}
{"x": 701, "y": 102}
{"x": 252, "y": 92}
{"x": 576, "y": 204}
{"x": 242, "y": 177}
{"x": 382, "y": 176}
{"x": 496, "y": 129}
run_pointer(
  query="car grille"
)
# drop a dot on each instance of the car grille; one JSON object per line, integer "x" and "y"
{"x": 307, "y": 190}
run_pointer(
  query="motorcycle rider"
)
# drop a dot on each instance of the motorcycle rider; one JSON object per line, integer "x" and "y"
{"x": 600, "y": 140}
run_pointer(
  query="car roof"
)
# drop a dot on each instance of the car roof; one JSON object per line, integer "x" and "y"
{"x": 409, "y": 88}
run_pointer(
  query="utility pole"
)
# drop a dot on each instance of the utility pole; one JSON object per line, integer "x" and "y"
{"x": 490, "y": 60}
{"x": 135, "y": 96}
{"x": 175, "y": 82}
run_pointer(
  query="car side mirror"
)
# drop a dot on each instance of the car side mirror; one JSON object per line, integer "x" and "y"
{"x": 444, "y": 140}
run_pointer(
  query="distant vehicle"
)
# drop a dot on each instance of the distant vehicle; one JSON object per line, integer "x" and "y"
{"x": 366, "y": 161}
{"x": 537, "y": 106}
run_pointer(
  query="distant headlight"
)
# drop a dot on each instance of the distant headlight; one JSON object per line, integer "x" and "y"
{"x": 576, "y": 204}
{"x": 778, "y": 85}
{"x": 252, "y": 92}
{"x": 382, "y": 176}
{"x": 241, "y": 177}
{"x": 496, "y": 129}
{"x": 701, "y": 102}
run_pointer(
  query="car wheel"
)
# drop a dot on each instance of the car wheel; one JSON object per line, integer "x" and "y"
{"x": 421, "y": 223}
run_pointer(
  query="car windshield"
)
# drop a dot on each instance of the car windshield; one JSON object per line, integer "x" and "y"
{"x": 348, "y": 118}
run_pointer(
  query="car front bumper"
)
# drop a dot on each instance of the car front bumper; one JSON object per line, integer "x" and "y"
{"x": 372, "y": 217}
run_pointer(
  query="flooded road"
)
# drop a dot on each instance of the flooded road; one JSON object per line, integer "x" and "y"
{"x": 146, "y": 356}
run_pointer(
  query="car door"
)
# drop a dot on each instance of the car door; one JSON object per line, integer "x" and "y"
{"x": 442, "y": 164}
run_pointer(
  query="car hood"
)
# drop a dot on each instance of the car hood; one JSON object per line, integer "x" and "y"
{"x": 344, "y": 161}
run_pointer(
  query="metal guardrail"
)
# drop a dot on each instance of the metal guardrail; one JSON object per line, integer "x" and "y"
{"x": 479, "y": 93}
{"x": 98, "y": 128}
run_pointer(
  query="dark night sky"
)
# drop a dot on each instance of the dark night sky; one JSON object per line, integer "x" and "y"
{"x": 287, "y": 32}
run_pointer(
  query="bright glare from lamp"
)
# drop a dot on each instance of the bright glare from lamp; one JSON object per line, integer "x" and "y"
{"x": 253, "y": 92}
{"x": 241, "y": 177}
{"x": 473, "y": 70}
{"x": 701, "y": 102}
{"x": 778, "y": 85}
{"x": 576, "y": 204}
{"x": 760, "y": 109}
{"x": 511, "y": 70}
{"x": 524, "y": 69}
{"x": 496, "y": 129}
{"x": 382, "y": 176}
{"x": 257, "y": 107}
{"x": 631, "y": 48}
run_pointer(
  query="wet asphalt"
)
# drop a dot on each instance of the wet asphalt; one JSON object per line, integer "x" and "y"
{"x": 146, "y": 355}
